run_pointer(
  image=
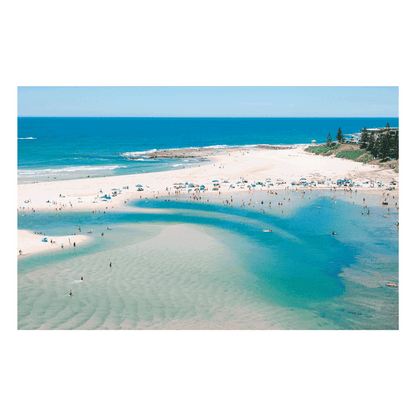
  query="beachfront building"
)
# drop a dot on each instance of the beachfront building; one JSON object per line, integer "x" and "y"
{"x": 377, "y": 131}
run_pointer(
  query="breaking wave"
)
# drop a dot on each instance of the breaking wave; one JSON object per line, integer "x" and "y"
{"x": 45, "y": 172}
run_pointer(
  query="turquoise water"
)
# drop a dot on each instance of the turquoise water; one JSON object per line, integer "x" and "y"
{"x": 67, "y": 148}
{"x": 192, "y": 264}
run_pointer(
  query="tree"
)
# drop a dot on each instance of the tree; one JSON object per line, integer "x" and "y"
{"x": 340, "y": 137}
{"x": 364, "y": 139}
{"x": 383, "y": 148}
{"x": 371, "y": 147}
{"x": 329, "y": 140}
{"x": 395, "y": 145}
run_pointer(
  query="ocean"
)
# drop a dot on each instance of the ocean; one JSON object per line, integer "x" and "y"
{"x": 71, "y": 148}
{"x": 199, "y": 264}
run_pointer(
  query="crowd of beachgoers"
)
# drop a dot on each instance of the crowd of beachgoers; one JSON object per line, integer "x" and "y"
{"x": 265, "y": 171}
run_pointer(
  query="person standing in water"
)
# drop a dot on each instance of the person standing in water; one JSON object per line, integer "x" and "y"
{"x": 70, "y": 292}
{"x": 110, "y": 264}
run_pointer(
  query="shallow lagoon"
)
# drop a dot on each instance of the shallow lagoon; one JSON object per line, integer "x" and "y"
{"x": 209, "y": 265}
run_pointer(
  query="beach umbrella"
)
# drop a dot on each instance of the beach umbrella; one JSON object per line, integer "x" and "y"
{"x": 214, "y": 180}
{"x": 139, "y": 186}
{"x": 302, "y": 180}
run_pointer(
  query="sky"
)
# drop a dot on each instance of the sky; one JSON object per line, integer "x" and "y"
{"x": 208, "y": 101}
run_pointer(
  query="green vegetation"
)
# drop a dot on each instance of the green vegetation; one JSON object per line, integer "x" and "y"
{"x": 329, "y": 140}
{"x": 383, "y": 146}
{"x": 379, "y": 148}
{"x": 340, "y": 136}
{"x": 353, "y": 154}
{"x": 365, "y": 158}
{"x": 324, "y": 149}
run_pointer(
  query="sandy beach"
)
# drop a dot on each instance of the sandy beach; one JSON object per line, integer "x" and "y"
{"x": 227, "y": 167}
{"x": 31, "y": 243}
{"x": 279, "y": 166}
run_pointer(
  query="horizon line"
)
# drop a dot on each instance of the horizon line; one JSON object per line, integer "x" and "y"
{"x": 25, "y": 116}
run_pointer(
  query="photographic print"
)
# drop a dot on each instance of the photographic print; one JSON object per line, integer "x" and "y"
{"x": 208, "y": 208}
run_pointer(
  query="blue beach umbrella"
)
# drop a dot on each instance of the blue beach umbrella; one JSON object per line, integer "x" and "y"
{"x": 139, "y": 186}
{"x": 214, "y": 181}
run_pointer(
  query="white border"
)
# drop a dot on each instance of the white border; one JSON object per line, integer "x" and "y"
{"x": 12, "y": 78}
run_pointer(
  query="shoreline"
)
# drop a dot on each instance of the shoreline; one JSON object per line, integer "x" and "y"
{"x": 228, "y": 167}
{"x": 31, "y": 243}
